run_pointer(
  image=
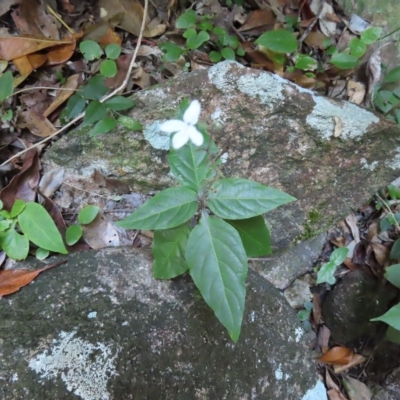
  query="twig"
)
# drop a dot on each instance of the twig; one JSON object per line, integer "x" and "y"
{"x": 60, "y": 20}
{"x": 41, "y": 88}
{"x": 311, "y": 26}
{"x": 116, "y": 91}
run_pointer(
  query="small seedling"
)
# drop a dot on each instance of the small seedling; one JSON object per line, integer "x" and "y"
{"x": 327, "y": 271}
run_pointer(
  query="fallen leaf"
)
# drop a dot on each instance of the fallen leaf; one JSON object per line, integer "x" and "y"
{"x": 258, "y": 18}
{"x": 63, "y": 95}
{"x": 122, "y": 69}
{"x": 324, "y": 11}
{"x": 352, "y": 223}
{"x": 154, "y": 28}
{"x": 356, "y": 92}
{"x": 316, "y": 40}
{"x": 324, "y": 335}
{"x": 5, "y": 5}
{"x": 37, "y": 124}
{"x": 356, "y": 390}
{"x": 62, "y": 53}
{"x": 355, "y": 360}
{"x": 28, "y": 63}
{"x": 317, "y": 309}
{"x": 330, "y": 383}
{"x": 337, "y": 132}
{"x": 334, "y": 394}
{"x": 11, "y": 280}
{"x": 51, "y": 181}
{"x": 337, "y": 355}
{"x": 381, "y": 253}
{"x": 110, "y": 37}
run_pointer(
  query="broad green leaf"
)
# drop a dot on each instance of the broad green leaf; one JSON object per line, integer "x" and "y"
{"x": 380, "y": 102}
{"x": 119, "y": 103}
{"x": 304, "y": 315}
{"x": 95, "y": 88}
{"x": 16, "y": 246}
{"x": 113, "y": 51}
{"x": 371, "y": 35}
{"x": 195, "y": 41}
{"x": 357, "y": 47}
{"x": 73, "y": 234}
{"x": 94, "y": 112}
{"x": 237, "y": 198}
{"x": 388, "y": 221}
{"x": 326, "y": 273}
{"x": 240, "y": 51}
{"x": 339, "y": 255}
{"x": 228, "y": 53}
{"x": 6, "y": 85}
{"x": 41, "y": 254}
{"x": 305, "y": 62}
{"x": 191, "y": 164}
{"x": 331, "y": 50}
{"x": 108, "y": 68}
{"x": 394, "y": 192}
{"x": 130, "y": 123}
{"x": 392, "y": 274}
{"x": 233, "y": 42}
{"x": 186, "y": 20}
{"x": 171, "y": 50}
{"x": 280, "y": 41}
{"x": 4, "y": 224}
{"x": 88, "y": 214}
{"x": 41, "y": 230}
{"x": 392, "y": 317}
{"x": 215, "y": 56}
{"x": 393, "y": 75}
{"x": 76, "y": 104}
{"x": 167, "y": 209}
{"x": 189, "y": 33}
{"x": 17, "y": 208}
{"x": 205, "y": 26}
{"x": 7, "y": 116}
{"x": 90, "y": 50}
{"x": 218, "y": 265}
{"x": 344, "y": 60}
{"x": 220, "y": 31}
{"x": 254, "y": 234}
{"x": 393, "y": 335}
{"x": 169, "y": 247}
{"x": 395, "y": 251}
{"x": 105, "y": 125}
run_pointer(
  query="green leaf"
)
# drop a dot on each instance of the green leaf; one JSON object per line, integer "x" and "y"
{"x": 233, "y": 42}
{"x": 305, "y": 63}
{"x": 357, "y": 47}
{"x": 394, "y": 192}
{"x": 186, "y": 20}
{"x": 4, "y": 224}
{"x": 254, "y": 234}
{"x": 240, "y": 51}
{"x": 331, "y": 50}
{"x": 388, "y": 221}
{"x": 41, "y": 230}
{"x": 41, "y": 254}
{"x": 6, "y": 85}
{"x": 280, "y": 41}
{"x": 1, "y": 205}
{"x": 218, "y": 265}
{"x": 304, "y": 315}
{"x": 237, "y": 198}
{"x": 326, "y": 273}
{"x": 344, "y": 61}
{"x": 95, "y": 88}
{"x": 392, "y": 317}
{"x": 393, "y": 335}
{"x": 119, "y": 103}
{"x": 167, "y": 209}
{"x": 16, "y": 246}
{"x": 339, "y": 255}
{"x": 105, "y": 125}
{"x": 171, "y": 50}
{"x": 205, "y": 26}
{"x": 371, "y": 35}
{"x": 189, "y": 33}
{"x": 90, "y": 50}
{"x": 393, "y": 75}
{"x": 76, "y": 104}
{"x": 113, "y": 51}
{"x": 215, "y": 56}
{"x": 17, "y": 208}
{"x": 8, "y": 115}
{"x": 220, "y": 31}
{"x": 395, "y": 251}
{"x": 94, "y": 112}
{"x": 191, "y": 165}
{"x": 73, "y": 234}
{"x": 130, "y": 123}
{"x": 169, "y": 247}
{"x": 195, "y": 41}
{"x": 88, "y": 214}
{"x": 108, "y": 68}
{"x": 228, "y": 53}
{"x": 392, "y": 274}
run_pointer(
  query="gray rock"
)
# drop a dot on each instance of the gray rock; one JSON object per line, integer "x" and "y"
{"x": 100, "y": 327}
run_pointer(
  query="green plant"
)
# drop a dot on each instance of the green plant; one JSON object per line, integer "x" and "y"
{"x": 6, "y": 90}
{"x": 304, "y": 315}
{"x": 28, "y": 222}
{"x": 209, "y": 225}
{"x": 327, "y": 271}
{"x": 105, "y": 115}
{"x": 85, "y": 217}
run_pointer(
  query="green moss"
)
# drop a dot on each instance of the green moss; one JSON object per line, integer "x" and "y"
{"x": 314, "y": 224}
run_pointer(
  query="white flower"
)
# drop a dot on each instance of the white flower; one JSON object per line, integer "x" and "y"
{"x": 185, "y": 129}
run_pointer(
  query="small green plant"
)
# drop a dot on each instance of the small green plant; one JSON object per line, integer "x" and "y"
{"x": 6, "y": 90}
{"x": 85, "y": 217}
{"x": 304, "y": 315}
{"x": 327, "y": 271}
{"x": 28, "y": 222}
{"x": 209, "y": 225}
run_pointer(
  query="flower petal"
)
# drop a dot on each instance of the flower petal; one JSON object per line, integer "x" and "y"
{"x": 180, "y": 139}
{"x": 195, "y": 136}
{"x": 173, "y": 125}
{"x": 192, "y": 114}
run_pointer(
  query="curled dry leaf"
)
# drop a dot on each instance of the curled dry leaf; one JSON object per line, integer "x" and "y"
{"x": 352, "y": 224}
{"x": 11, "y": 280}
{"x": 110, "y": 37}
{"x": 337, "y": 355}
{"x": 355, "y": 360}
{"x": 37, "y": 124}
{"x": 62, "y": 53}
{"x": 30, "y": 62}
{"x": 51, "y": 181}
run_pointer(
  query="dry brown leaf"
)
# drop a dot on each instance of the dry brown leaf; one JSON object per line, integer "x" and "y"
{"x": 330, "y": 383}
{"x": 334, "y": 394}
{"x": 12, "y": 47}
{"x": 122, "y": 65}
{"x": 258, "y": 18}
{"x": 317, "y": 309}
{"x": 11, "y": 280}
{"x": 61, "y": 54}
{"x": 373, "y": 232}
{"x": 324, "y": 335}
{"x": 100, "y": 233}
{"x": 352, "y": 223}
{"x": 327, "y": 27}
{"x": 356, "y": 390}
{"x": 63, "y": 95}
{"x": 5, "y": 5}
{"x": 110, "y": 37}
{"x": 381, "y": 253}
{"x": 154, "y": 28}
{"x": 356, "y": 92}
{"x": 337, "y": 355}
{"x": 315, "y": 40}
{"x": 30, "y": 62}
{"x": 355, "y": 360}
{"x": 37, "y": 124}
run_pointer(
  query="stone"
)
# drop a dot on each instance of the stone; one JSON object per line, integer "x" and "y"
{"x": 331, "y": 155}
{"x": 100, "y": 327}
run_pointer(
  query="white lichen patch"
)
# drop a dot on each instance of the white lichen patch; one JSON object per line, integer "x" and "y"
{"x": 370, "y": 167}
{"x": 318, "y": 392}
{"x": 218, "y": 116}
{"x": 355, "y": 120}
{"x": 220, "y": 75}
{"x": 157, "y": 138}
{"x": 395, "y": 162}
{"x": 85, "y": 368}
{"x": 299, "y": 332}
{"x": 92, "y": 314}
{"x": 279, "y": 373}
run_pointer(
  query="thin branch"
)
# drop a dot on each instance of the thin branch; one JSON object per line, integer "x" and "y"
{"x": 41, "y": 88}
{"x": 114, "y": 92}
{"x": 60, "y": 20}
